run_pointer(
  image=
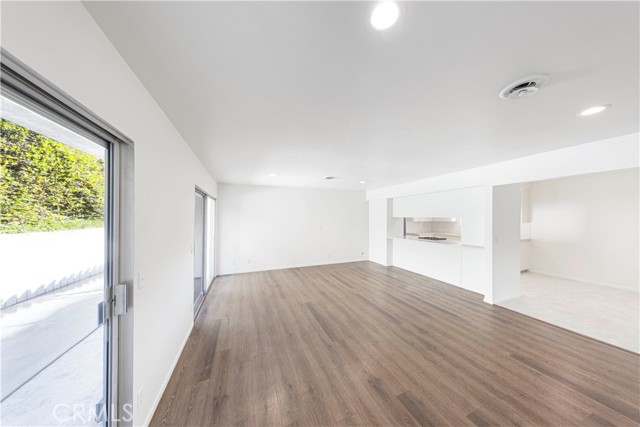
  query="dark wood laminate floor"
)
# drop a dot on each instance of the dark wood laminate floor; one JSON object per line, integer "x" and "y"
{"x": 361, "y": 344}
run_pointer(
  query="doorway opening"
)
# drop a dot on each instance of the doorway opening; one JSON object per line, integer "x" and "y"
{"x": 579, "y": 255}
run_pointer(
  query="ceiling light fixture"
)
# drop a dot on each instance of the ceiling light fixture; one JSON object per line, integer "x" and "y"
{"x": 384, "y": 15}
{"x": 594, "y": 110}
{"x": 363, "y": 182}
{"x": 272, "y": 175}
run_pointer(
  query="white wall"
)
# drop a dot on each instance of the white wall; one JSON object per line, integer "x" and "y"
{"x": 525, "y": 255}
{"x": 61, "y": 41}
{"x": 586, "y": 228}
{"x": 265, "y": 228}
{"x": 616, "y": 153}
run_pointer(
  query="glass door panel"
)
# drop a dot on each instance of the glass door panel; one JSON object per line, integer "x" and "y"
{"x": 52, "y": 281}
{"x": 211, "y": 246}
{"x": 199, "y": 247}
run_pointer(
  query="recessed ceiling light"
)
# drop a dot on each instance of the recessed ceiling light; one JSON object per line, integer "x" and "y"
{"x": 384, "y": 15}
{"x": 272, "y": 175}
{"x": 363, "y": 182}
{"x": 594, "y": 110}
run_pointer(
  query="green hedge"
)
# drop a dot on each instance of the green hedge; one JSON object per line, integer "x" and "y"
{"x": 46, "y": 185}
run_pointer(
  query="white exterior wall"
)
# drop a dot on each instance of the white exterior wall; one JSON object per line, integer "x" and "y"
{"x": 63, "y": 257}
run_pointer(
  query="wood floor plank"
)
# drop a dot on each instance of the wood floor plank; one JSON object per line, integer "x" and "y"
{"x": 594, "y": 420}
{"x": 417, "y": 409}
{"x": 322, "y": 321}
{"x": 207, "y": 354}
{"x": 617, "y": 405}
{"x": 362, "y": 344}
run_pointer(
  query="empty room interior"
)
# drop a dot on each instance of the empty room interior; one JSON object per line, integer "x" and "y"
{"x": 320, "y": 213}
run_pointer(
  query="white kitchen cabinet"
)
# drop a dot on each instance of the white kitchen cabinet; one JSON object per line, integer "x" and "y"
{"x": 441, "y": 261}
{"x": 473, "y": 273}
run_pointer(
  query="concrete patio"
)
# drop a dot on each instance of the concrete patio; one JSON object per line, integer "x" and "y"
{"x": 51, "y": 350}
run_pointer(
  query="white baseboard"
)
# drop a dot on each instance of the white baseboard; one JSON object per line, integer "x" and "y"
{"x": 384, "y": 264}
{"x": 577, "y": 279}
{"x": 241, "y": 271}
{"x": 508, "y": 297}
{"x": 167, "y": 378}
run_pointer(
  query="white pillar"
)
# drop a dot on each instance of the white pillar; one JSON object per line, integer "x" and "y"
{"x": 378, "y": 214}
{"x": 505, "y": 243}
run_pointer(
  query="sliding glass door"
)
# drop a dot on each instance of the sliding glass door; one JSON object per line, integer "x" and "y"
{"x": 65, "y": 245}
{"x": 53, "y": 287}
{"x": 199, "y": 249}
{"x": 210, "y": 249}
{"x": 203, "y": 246}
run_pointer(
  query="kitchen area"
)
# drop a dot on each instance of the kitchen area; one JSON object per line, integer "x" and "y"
{"x": 430, "y": 246}
{"x": 442, "y": 230}
{"x": 440, "y": 235}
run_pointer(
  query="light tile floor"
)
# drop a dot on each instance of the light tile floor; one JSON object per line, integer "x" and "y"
{"x": 607, "y": 314}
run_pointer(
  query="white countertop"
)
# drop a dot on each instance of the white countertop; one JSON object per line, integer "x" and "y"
{"x": 439, "y": 242}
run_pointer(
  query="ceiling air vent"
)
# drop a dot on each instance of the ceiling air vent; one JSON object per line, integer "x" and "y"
{"x": 329, "y": 177}
{"x": 524, "y": 87}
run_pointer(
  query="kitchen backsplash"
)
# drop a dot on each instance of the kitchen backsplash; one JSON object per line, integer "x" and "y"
{"x": 423, "y": 225}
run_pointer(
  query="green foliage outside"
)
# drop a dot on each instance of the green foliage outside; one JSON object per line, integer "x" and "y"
{"x": 46, "y": 185}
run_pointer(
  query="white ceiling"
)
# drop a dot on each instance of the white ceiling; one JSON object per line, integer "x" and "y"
{"x": 307, "y": 89}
